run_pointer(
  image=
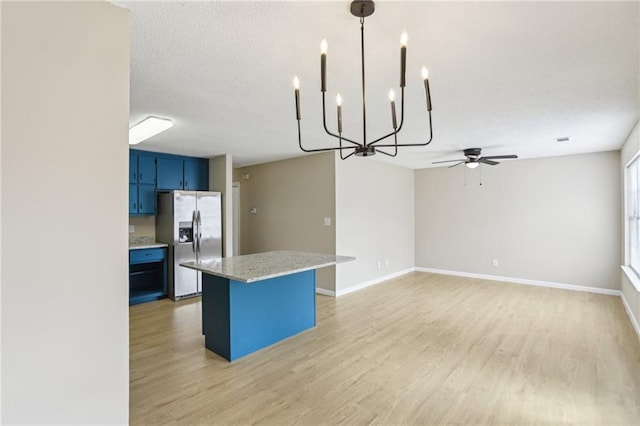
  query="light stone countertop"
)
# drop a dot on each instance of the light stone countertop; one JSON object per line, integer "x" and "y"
{"x": 261, "y": 266}
{"x": 138, "y": 243}
{"x": 140, "y": 246}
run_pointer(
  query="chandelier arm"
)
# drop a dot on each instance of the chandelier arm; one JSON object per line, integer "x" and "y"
{"x": 324, "y": 123}
{"x": 320, "y": 149}
{"x": 415, "y": 144}
{"x": 386, "y": 153}
{"x": 395, "y": 151}
{"x": 342, "y": 157}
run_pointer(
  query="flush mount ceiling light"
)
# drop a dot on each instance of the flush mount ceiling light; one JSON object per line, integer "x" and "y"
{"x": 361, "y": 9}
{"x": 147, "y": 128}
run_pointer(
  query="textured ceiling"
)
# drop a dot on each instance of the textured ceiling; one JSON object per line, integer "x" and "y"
{"x": 509, "y": 77}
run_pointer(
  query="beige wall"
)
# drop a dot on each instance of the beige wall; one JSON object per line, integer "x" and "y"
{"x": 220, "y": 180}
{"x": 374, "y": 220}
{"x": 553, "y": 219}
{"x": 65, "y": 116}
{"x": 292, "y": 198}
{"x": 629, "y": 292}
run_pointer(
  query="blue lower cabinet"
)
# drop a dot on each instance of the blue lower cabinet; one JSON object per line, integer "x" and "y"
{"x": 147, "y": 275}
{"x": 240, "y": 318}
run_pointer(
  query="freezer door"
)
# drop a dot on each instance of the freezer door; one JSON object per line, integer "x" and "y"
{"x": 185, "y": 280}
{"x": 184, "y": 207}
{"x": 209, "y": 225}
{"x": 184, "y": 213}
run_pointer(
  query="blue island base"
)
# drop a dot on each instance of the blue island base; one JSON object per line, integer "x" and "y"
{"x": 241, "y": 318}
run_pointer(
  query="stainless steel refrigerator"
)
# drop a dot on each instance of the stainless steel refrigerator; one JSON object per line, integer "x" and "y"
{"x": 190, "y": 222}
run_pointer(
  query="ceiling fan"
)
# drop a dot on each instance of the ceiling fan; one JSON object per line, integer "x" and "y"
{"x": 473, "y": 159}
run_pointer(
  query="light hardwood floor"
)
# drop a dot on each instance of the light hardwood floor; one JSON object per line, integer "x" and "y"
{"x": 420, "y": 349}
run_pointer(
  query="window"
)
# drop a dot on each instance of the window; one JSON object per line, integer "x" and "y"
{"x": 633, "y": 214}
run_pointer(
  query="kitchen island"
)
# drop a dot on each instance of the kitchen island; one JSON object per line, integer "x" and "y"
{"x": 253, "y": 301}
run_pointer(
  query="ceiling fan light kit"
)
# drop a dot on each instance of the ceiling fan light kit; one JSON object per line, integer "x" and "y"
{"x": 361, "y": 9}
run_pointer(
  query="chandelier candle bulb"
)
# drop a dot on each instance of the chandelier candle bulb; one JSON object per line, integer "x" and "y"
{"x": 324, "y": 47}
{"x": 425, "y": 76}
{"x": 339, "y": 103}
{"x": 403, "y": 58}
{"x": 392, "y": 98}
{"x": 296, "y": 87}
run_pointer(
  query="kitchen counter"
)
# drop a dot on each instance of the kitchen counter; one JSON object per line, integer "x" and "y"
{"x": 253, "y": 301}
{"x": 140, "y": 246}
{"x": 261, "y": 266}
{"x": 139, "y": 243}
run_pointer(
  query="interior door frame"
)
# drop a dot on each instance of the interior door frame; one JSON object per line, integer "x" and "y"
{"x": 235, "y": 201}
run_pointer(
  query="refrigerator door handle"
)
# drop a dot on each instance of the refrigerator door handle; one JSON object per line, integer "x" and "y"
{"x": 193, "y": 231}
{"x": 199, "y": 220}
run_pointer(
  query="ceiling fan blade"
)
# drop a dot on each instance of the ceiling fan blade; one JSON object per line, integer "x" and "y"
{"x": 461, "y": 162}
{"x": 489, "y": 162}
{"x": 500, "y": 157}
{"x": 448, "y": 161}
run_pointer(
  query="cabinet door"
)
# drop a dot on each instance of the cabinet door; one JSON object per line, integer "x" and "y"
{"x": 133, "y": 198}
{"x": 146, "y": 199}
{"x": 196, "y": 174}
{"x": 133, "y": 167}
{"x": 147, "y": 169}
{"x": 169, "y": 172}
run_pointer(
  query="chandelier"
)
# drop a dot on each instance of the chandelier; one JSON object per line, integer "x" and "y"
{"x": 362, "y": 9}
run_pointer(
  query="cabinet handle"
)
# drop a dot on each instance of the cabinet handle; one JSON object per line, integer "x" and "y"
{"x": 180, "y": 184}
{"x": 140, "y": 206}
{"x": 134, "y": 206}
{"x": 186, "y": 184}
{"x": 140, "y": 176}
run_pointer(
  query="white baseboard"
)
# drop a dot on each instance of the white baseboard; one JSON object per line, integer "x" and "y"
{"x": 325, "y": 292}
{"x": 373, "y": 282}
{"x": 627, "y": 308}
{"x": 525, "y": 281}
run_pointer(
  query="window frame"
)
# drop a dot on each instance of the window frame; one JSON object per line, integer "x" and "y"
{"x": 633, "y": 273}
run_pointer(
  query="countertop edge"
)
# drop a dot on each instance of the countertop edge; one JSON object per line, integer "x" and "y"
{"x": 192, "y": 265}
{"x": 148, "y": 246}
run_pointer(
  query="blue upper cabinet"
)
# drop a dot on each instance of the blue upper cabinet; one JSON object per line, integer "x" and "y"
{"x": 147, "y": 169}
{"x": 170, "y": 173}
{"x": 150, "y": 172}
{"x": 196, "y": 174}
{"x": 186, "y": 173}
{"x": 142, "y": 182}
{"x": 142, "y": 167}
{"x": 133, "y": 167}
{"x": 146, "y": 199}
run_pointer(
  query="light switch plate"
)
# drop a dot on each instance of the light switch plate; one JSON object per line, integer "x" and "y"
{"x": 327, "y": 221}
{"x": 132, "y": 229}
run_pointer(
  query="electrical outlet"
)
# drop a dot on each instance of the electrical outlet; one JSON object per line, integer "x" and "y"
{"x": 253, "y": 210}
{"x": 495, "y": 262}
{"x": 327, "y": 221}
{"x": 132, "y": 229}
